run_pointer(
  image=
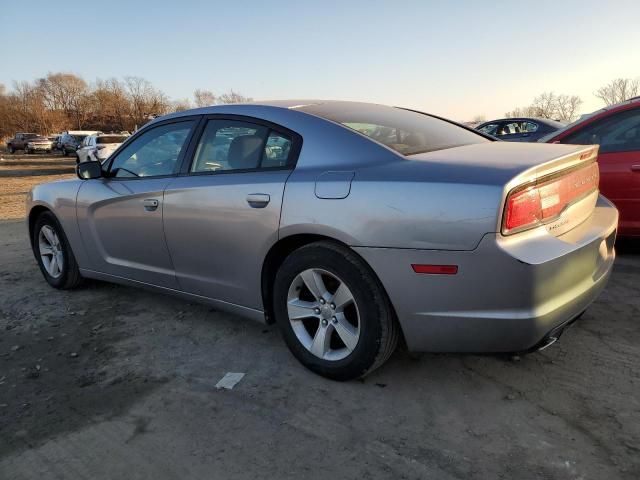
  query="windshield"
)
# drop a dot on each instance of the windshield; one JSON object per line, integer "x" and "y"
{"x": 111, "y": 139}
{"x": 30, "y": 135}
{"x": 404, "y": 131}
{"x": 79, "y": 138}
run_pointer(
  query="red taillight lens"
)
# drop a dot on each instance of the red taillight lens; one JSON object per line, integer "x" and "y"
{"x": 534, "y": 204}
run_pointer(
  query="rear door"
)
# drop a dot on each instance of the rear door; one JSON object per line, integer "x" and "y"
{"x": 120, "y": 215}
{"x": 619, "y": 159}
{"x": 222, "y": 214}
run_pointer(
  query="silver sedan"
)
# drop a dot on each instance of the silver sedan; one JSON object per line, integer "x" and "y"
{"x": 350, "y": 225}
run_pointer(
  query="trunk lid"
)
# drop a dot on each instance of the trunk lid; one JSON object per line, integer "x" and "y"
{"x": 555, "y": 186}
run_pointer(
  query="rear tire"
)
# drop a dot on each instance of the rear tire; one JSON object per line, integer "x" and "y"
{"x": 354, "y": 339}
{"x": 51, "y": 248}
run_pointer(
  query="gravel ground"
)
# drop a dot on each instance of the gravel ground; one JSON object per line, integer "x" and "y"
{"x": 110, "y": 382}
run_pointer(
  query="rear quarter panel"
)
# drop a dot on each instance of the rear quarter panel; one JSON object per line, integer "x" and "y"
{"x": 393, "y": 205}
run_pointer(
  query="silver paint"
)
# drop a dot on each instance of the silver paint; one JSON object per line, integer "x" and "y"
{"x": 208, "y": 235}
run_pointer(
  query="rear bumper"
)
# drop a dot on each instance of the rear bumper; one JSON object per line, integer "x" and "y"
{"x": 509, "y": 293}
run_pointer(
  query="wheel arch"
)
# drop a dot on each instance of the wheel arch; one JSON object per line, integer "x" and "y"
{"x": 282, "y": 249}
{"x": 34, "y": 213}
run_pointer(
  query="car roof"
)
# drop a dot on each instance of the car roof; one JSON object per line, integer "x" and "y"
{"x": 298, "y": 104}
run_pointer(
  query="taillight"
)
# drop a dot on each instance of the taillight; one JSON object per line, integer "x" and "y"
{"x": 540, "y": 202}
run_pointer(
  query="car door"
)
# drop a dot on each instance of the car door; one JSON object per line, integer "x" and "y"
{"x": 619, "y": 159}
{"x": 120, "y": 215}
{"x": 222, "y": 214}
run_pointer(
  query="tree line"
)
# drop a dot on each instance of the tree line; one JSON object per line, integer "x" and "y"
{"x": 566, "y": 108}
{"x": 64, "y": 101}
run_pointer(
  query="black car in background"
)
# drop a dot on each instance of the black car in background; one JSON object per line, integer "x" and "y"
{"x": 520, "y": 129}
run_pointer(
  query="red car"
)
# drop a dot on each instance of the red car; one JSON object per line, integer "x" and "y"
{"x": 617, "y": 130}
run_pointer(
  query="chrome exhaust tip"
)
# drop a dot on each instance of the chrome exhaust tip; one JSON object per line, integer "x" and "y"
{"x": 547, "y": 342}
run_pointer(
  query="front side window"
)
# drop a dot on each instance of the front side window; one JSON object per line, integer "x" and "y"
{"x": 154, "y": 153}
{"x": 238, "y": 145}
{"x": 405, "y": 131}
{"x": 617, "y": 133}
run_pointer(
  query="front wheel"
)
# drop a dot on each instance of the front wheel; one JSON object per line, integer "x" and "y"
{"x": 333, "y": 312}
{"x": 53, "y": 253}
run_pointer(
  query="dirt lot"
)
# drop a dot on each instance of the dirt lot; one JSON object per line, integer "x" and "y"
{"x": 113, "y": 382}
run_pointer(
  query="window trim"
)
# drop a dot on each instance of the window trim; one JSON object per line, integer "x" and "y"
{"x": 599, "y": 121}
{"x": 196, "y": 119}
{"x": 294, "y": 154}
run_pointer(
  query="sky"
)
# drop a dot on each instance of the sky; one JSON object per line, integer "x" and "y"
{"x": 456, "y": 59}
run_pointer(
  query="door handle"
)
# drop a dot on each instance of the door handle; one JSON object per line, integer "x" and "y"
{"x": 635, "y": 168}
{"x": 150, "y": 204}
{"x": 258, "y": 200}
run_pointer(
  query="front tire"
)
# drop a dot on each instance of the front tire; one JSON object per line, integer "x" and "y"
{"x": 333, "y": 312}
{"x": 53, "y": 253}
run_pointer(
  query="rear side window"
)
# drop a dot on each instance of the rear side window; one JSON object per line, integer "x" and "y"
{"x": 617, "y": 133}
{"x": 489, "y": 129}
{"x": 404, "y": 131}
{"x": 236, "y": 145}
{"x": 515, "y": 127}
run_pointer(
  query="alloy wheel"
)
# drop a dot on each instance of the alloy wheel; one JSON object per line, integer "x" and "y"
{"x": 323, "y": 314}
{"x": 51, "y": 251}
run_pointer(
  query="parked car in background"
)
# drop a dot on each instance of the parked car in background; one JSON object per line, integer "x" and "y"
{"x": 55, "y": 139}
{"x": 99, "y": 147}
{"x": 617, "y": 130}
{"x": 38, "y": 143}
{"x": 349, "y": 224}
{"x": 520, "y": 129}
{"x": 72, "y": 139}
{"x": 19, "y": 141}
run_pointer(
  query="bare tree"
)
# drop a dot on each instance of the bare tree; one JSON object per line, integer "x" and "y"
{"x": 146, "y": 101}
{"x": 180, "y": 105}
{"x": 204, "y": 98}
{"x": 479, "y": 119}
{"x": 232, "y": 97}
{"x": 618, "y": 90}
{"x": 549, "y": 105}
{"x": 567, "y": 107}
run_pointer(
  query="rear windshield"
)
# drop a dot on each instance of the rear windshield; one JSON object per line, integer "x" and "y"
{"x": 404, "y": 131}
{"x": 111, "y": 139}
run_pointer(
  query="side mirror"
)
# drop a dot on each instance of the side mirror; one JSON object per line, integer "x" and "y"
{"x": 88, "y": 170}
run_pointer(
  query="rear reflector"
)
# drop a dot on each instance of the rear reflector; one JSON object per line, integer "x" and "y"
{"x": 540, "y": 202}
{"x": 436, "y": 269}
